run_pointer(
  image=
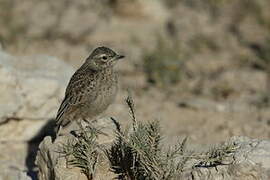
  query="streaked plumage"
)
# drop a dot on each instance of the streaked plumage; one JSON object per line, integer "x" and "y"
{"x": 91, "y": 89}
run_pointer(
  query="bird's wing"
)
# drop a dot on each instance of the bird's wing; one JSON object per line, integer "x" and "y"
{"x": 78, "y": 88}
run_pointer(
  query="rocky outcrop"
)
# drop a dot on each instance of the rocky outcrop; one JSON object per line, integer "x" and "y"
{"x": 249, "y": 161}
{"x": 31, "y": 89}
{"x": 54, "y": 163}
{"x": 30, "y": 92}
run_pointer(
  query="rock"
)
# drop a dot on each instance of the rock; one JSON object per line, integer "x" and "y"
{"x": 250, "y": 161}
{"x": 254, "y": 150}
{"x": 50, "y": 163}
{"x": 23, "y": 176}
{"x": 12, "y": 159}
{"x": 14, "y": 175}
{"x": 53, "y": 164}
{"x": 30, "y": 93}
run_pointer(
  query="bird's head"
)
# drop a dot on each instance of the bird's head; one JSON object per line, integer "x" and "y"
{"x": 103, "y": 57}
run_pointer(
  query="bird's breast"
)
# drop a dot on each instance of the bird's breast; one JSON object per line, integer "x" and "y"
{"x": 107, "y": 88}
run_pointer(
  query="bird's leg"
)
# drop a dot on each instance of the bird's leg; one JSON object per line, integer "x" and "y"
{"x": 90, "y": 123}
{"x": 77, "y": 132}
{"x": 58, "y": 131}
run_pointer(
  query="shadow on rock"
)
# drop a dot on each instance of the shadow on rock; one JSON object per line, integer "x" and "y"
{"x": 46, "y": 130}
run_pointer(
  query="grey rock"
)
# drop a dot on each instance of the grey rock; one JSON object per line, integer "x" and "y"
{"x": 254, "y": 150}
{"x": 250, "y": 161}
{"x": 12, "y": 159}
{"x": 52, "y": 164}
{"x": 10, "y": 169}
{"x": 30, "y": 92}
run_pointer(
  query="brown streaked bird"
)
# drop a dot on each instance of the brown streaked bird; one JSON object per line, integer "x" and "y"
{"x": 91, "y": 89}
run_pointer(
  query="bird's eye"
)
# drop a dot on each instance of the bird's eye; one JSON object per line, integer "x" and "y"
{"x": 104, "y": 57}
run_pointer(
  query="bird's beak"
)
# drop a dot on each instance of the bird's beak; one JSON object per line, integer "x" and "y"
{"x": 119, "y": 57}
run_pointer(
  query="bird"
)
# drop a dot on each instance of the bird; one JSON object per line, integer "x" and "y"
{"x": 91, "y": 89}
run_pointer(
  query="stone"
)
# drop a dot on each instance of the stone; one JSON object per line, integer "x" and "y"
{"x": 30, "y": 93}
{"x": 52, "y": 164}
{"x": 251, "y": 161}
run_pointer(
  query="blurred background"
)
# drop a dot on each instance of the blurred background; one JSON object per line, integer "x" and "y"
{"x": 202, "y": 68}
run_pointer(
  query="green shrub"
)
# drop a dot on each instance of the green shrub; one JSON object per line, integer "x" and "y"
{"x": 83, "y": 152}
{"x": 138, "y": 154}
